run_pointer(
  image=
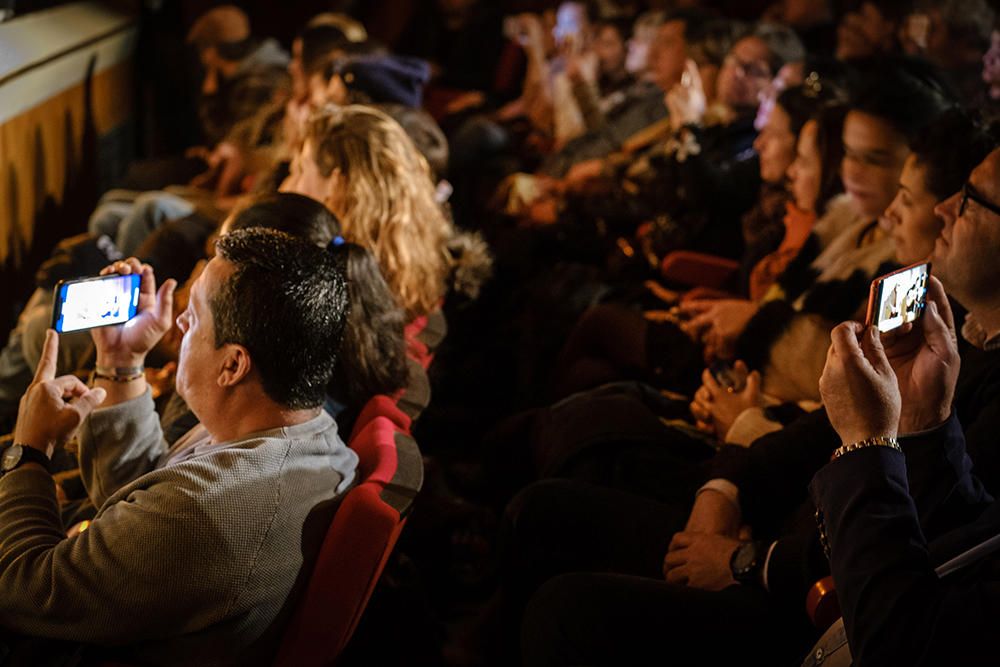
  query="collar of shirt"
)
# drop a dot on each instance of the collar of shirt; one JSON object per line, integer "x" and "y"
{"x": 975, "y": 335}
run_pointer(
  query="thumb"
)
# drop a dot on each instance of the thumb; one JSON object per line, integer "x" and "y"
{"x": 939, "y": 336}
{"x": 753, "y": 383}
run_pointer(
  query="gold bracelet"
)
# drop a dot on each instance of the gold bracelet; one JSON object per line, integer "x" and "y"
{"x": 877, "y": 441}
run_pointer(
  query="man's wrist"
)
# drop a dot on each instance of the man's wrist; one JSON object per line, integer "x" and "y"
{"x": 120, "y": 359}
{"x": 47, "y": 448}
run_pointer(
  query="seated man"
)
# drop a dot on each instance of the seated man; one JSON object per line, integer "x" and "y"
{"x": 897, "y": 607}
{"x": 197, "y": 551}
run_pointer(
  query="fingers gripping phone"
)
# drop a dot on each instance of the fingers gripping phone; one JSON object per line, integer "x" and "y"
{"x": 95, "y": 302}
{"x": 899, "y": 297}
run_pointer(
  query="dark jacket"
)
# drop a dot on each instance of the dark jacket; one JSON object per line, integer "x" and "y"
{"x": 773, "y": 474}
{"x": 896, "y": 610}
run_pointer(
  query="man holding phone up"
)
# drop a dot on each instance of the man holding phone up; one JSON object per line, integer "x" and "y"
{"x": 194, "y": 551}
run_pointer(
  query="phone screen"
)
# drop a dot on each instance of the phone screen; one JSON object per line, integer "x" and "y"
{"x": 899, "y": 297}
{"x": 95, "y": 302}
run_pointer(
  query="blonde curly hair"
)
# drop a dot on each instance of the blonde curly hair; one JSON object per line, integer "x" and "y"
{"x": 386, "y": 200}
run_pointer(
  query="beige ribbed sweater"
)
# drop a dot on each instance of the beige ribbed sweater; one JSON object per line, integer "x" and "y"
{"x": 193, "y": 553}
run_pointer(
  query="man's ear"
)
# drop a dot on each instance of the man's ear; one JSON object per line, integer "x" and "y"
{"x": 235, "y": 366}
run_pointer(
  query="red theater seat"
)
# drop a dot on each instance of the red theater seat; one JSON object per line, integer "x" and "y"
{"x": 381, "y": 406}
{"x": 358, "y": 544}
{"x": 697, "y": 269}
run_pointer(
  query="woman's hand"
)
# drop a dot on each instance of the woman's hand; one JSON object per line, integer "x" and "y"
{"x": 715, "y": 408}
{"x": 717, "y": 323}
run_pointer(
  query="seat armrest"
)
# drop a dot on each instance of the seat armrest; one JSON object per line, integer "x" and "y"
{"x": 698, "y": 269}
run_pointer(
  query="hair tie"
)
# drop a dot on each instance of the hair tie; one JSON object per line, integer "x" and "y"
{"x": 335, "y": 242}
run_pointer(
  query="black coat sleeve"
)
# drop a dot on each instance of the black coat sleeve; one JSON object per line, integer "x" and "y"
{"x": 896, "y": 610}
{"x": 773, "y": 473}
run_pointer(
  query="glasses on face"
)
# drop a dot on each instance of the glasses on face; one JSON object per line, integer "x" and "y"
{"x": 751, "y": 70}
{"x": 970, "y": 193}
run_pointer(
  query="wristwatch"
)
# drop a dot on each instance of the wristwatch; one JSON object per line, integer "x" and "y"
{"x": 747, "y": 562}
{"x": 16, "y": 455}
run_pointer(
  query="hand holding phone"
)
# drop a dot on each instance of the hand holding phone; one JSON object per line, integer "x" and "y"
{"x": 123, "y": 345}
{"x": 898, "y": 298}
{"x": 926, "y": 363}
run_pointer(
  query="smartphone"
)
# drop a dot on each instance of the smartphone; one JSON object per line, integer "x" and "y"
{"x": 726, "y": 375}
{"x": 95, "y": 302}
{"x": 898, "y": 297}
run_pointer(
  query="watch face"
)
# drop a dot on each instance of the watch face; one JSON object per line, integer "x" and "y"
{"x": 744, "y": 558}
{"x": 11, "y": 457}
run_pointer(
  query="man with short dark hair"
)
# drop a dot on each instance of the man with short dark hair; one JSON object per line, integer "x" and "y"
{"x": 907, "y": 600}
{"x": 196, "y": 551}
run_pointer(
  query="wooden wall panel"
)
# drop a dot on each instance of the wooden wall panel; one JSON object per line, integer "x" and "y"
{"x": 45, "y": 150}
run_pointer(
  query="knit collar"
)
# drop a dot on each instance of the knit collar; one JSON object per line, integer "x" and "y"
{"x": 975, "y": 335}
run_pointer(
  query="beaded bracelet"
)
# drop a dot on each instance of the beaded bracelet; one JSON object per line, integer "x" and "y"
{"x": 122, "y": 374}
{"x": 877, "y": 441}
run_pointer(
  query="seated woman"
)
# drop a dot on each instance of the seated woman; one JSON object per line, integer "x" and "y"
{"x": 613, "y": 341}
{"x": 362, "y": 165}
{"x": 828, "y": 280}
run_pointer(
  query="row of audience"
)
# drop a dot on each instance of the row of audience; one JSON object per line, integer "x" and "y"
{"x": 692, "y": 427}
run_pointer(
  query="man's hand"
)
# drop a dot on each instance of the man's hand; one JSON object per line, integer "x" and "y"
{"x": 858, "y": 385}
{"x": 53, "y": 408}
{"x": 700, "y": 560}
{"x": 716, "y": 408}
{"x": 926, "y": 362}
{"x": 127, "y": 344}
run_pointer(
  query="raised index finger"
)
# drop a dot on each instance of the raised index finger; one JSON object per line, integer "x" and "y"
{"x": 47, "y": 363}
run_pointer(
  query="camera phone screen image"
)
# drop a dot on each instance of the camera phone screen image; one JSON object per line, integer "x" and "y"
{"x": 902, "y": 297}
{"x": 96, "y": 303}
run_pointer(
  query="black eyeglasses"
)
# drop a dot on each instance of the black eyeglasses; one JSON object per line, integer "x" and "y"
{"x": 969, "y": 192}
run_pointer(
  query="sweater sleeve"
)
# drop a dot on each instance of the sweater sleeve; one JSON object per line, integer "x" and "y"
{"x": 119, "y": 444}
{"x": 774, "y": 472}
{"x": 117, "y": 581}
